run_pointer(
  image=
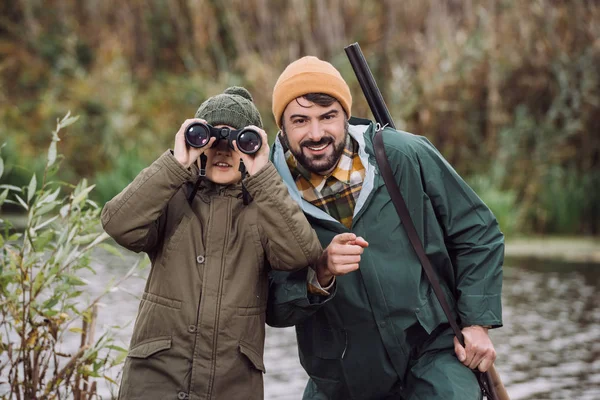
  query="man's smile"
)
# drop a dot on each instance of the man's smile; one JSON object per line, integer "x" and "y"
{"x": 319, "y": 147}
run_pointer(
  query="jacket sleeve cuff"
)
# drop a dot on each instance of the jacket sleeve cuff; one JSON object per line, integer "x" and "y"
{"x": 260, "y": 178}
{"x": 314, "y": 287}
{"x": 295, "y": 290}
{"x": 470, "y": 311}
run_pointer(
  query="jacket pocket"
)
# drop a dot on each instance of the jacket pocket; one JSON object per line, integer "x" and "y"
{"x": 328, "y": 344}
{"x": 150, "y": 347}
{"x": 252, "y": 355}
{"x": 158, "y": 317}
{"x": 252, "y": 310}
{"x": 321, "y": 351}
{"x": 163, "y": 301}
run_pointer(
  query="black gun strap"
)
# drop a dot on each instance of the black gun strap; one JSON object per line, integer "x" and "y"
{"x": 403, "y": 213}
{"x": 402, "y": 210}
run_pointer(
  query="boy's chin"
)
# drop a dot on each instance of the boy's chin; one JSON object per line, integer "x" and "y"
{"x": 220, "y": 179}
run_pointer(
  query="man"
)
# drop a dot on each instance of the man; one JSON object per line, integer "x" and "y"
{"x": 368, "y": 324}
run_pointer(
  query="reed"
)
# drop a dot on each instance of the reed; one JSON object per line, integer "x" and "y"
{"x": 495, "y": 84}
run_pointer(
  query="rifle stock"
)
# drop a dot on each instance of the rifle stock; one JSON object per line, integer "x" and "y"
{"x": 497, "y": 384}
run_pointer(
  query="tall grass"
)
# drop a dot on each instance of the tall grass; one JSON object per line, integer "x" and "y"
{"x": 49, "y": 347}
{"x": 507, "y": 89}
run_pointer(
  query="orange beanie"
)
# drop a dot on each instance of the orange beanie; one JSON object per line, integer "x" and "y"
{"x": 309, "y": 75}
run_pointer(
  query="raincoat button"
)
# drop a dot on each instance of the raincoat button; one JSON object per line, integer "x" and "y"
{"x": 200, "y": 259}
{"x": 182, "y": 395}
{"x": 382, "y": 324}
{"x": 192, "y": 328}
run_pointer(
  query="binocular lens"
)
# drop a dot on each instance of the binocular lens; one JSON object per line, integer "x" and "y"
{"x": 197, "y": 135}
{"x": 249, "y": 141}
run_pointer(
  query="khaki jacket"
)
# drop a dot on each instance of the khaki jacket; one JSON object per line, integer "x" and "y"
{"x": 200, "y": 328}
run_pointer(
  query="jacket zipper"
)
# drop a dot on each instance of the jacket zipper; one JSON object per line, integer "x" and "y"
{"x": 375, "y": 178}
{"x": 366, "y": 203}
{"x": 205, "y": 243}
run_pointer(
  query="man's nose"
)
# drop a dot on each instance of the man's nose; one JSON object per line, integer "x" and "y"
{"x": 316, "y": 131}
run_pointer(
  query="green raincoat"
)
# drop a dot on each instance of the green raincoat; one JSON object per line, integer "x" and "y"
{"x": 357, "y": 343}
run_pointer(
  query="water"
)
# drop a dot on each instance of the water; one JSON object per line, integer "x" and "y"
{"x": 549, "y": 347}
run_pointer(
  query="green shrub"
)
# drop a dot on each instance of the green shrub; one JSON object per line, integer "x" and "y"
{"x": 42, "y": 292}
{"x": 110, "y": 183}
{"x": 501, "y": 202}
{"x": 17, "y": 167}
{"x": 510, "y": 82}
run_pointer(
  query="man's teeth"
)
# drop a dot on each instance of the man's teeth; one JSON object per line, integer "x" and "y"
{"x": 319, "y": 147}
{"x": 222, "y": 164}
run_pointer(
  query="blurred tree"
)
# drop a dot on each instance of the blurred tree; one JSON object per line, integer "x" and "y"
{"x": 513, "y": 83}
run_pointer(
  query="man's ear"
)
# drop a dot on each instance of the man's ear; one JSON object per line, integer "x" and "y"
{"x": 281, "y": 122}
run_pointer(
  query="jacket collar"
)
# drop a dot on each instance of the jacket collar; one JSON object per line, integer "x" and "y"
{"x": 360, "y": 130}
{"x": 208, "y": 187}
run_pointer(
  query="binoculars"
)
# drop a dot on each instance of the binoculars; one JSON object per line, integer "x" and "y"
{"x": 197, "y": 134}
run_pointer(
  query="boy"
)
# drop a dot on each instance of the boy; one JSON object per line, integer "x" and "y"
{"x": 200, "y": 328}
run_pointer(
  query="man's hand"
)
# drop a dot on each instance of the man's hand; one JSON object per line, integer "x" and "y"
{"x": 479, "y": 352}
{"x": 254, "y": 162}
{"x": 340, "y": 257}
{"x": 187, "y": 155}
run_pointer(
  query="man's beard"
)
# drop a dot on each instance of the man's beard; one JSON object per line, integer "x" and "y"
{"x": 320, "y": 163}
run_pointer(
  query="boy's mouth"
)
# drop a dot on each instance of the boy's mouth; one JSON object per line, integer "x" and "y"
{"x": 222, "y": 165}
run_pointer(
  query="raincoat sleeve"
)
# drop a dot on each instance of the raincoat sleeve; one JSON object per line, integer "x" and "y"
{"x": 290, "y": 302}
{"x": 289, "y": 241}
{"x": 132, "y": 216}
{"x": 472, "y": 237}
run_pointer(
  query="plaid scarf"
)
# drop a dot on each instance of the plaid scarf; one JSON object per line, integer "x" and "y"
{"x": 336, "y": 193}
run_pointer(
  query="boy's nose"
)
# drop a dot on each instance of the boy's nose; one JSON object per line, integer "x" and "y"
{"x": 222, "y": 147}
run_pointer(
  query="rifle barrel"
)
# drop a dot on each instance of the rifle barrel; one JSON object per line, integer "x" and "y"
{"x": 368, "y": 85}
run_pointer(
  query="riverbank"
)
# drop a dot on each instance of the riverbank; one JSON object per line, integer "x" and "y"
{"x": 583, "y": 249}
{"x": 577, "y": 249}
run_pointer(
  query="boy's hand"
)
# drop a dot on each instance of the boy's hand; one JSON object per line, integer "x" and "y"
{"x": 187, "y": 155}
{"x": 254, "y": 162}
{"x": 340, "y": 257}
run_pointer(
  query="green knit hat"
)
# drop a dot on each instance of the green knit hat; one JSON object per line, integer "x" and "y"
{"x": 234, "y": 107}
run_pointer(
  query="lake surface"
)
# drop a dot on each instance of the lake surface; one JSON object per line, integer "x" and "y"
{"x": 549, "y": 347}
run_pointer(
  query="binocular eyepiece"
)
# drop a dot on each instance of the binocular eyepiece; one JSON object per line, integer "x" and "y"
{"x": 198, "y": 134}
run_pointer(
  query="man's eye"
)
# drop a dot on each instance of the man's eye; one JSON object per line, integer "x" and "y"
{"x": 298, "y": 121}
